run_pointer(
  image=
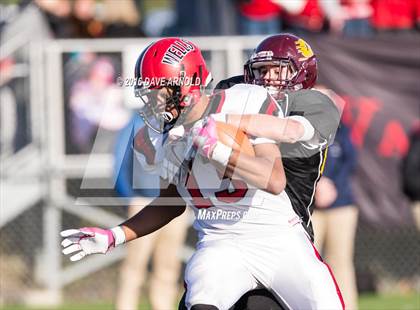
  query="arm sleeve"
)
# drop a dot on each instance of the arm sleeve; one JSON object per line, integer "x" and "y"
{"x": 147, "y": 148}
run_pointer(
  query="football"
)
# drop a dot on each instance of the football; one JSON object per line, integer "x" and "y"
{"x": 235, "y": 138}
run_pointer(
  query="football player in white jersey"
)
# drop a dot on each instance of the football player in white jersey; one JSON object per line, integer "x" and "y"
{"x": 249, "y": 234}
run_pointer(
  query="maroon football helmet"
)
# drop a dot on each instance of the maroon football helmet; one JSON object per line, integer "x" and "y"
{"x": 293, "y": 61}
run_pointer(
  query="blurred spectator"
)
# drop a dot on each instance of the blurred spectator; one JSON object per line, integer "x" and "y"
{"x": 84, "y": 16}
{"x": 159, "y": 16}
{"x": 259, "y": 17}
{"x": 391, "y": 15}
{"x": 349, "y": 17}
{"x": 411, "y": 173}
{"x": 335, "y": 216}
{"x": 203, "y": 18}
{"x": 164, "y": 245}
{"x": 96, "y": 102}
{"x": 357, "y": 19}
{"x": 121, "y": 18}
{"x": 58, "y": 15}
{"x": 72, "y": 19}
{"x": 309, "y": 18}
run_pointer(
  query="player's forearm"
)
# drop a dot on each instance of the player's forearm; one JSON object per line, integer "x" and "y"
{"x": 94, "y": 240}
{"x": 267, "y": 126}
{"x": 263, "y": 173}
{"x": 150, "y": 219}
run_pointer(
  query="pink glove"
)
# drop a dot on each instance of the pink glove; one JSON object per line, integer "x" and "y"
{"x": 205, "y": 136}
{"x": 87, "y": 240}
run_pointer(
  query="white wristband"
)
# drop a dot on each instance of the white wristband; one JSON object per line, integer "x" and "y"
{"x": 119, "y": 235}
{"x": 221, "y": 153}
{"x": 309, "y": 130}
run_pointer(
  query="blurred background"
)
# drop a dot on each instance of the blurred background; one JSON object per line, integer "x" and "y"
{"x": 66, "y": 122}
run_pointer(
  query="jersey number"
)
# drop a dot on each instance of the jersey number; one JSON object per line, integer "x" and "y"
{"x": 239, "y": 191}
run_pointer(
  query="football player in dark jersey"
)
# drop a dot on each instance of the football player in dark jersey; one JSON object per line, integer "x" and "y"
{"x": 287, "y": 67}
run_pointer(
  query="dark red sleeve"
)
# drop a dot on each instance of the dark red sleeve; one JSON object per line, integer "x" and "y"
{"x": 143, "y": 145}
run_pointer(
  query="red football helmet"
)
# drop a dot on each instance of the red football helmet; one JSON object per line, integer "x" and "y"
{"x": 176, "y": 64}
{"x": 292, "y": 58}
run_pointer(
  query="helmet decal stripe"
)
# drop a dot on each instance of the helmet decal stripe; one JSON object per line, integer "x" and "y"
{"x": 139, "y": 63}
{"x": 176, "y": 52}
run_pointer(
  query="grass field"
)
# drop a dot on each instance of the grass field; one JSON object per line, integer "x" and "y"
{"x": 366, "y": 302}
{"x": 389, "y": 302}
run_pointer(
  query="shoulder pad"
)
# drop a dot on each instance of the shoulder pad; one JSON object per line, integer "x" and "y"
{"x": 228, "y": 83}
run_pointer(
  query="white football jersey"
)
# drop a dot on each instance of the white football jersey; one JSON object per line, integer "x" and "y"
{"x": 221, "y": 205}
{"x": 159, "y": 155}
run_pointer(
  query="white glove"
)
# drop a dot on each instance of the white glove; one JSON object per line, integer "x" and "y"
{"x": 90, "y": 240}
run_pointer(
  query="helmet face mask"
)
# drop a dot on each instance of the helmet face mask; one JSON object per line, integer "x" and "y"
{"x": 161, "y": 107}
{"x": 275, "y": 75}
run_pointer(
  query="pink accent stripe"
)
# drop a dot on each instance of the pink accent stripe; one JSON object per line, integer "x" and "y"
{"x": 340, "y": 296}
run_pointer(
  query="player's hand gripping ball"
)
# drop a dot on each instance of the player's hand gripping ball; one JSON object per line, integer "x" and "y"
{"x": 235, "y": 138}
{"x": 208, "y": 132}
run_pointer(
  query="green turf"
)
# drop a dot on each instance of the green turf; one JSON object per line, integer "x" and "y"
{"x": 366, "y": 302}
{"x": 73, "y": 306}
{"x": 389, "y": 302}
